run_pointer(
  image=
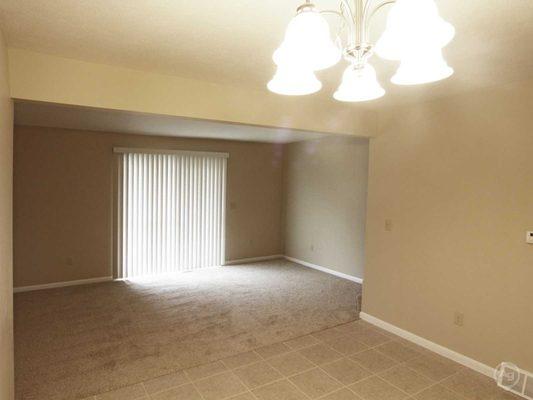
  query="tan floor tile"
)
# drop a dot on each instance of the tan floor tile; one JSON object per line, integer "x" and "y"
{"x": 315, "y": 383}
{"x": 347, "y": 345}
{"x": 343, "y": 394}
{"x": 220, "y": 386}
{"x": 372, "y": 338}
{"x": 273, "y": 350}
{"x": 241, "y": 359}
{"x": 353, "y": 328}
{"x": 437, "y": 392}
{"x": 365, "y": 324}
{"x": 280, "y": 390}
{"x": 346, "y": 371}
{"x": 328, "y": 334}
{"x": 472, "y": 385}
{"x": 165, "y": 382}
{"x": 406, "y": 379}
{"x": 133, "y": 392}
{"x": 375, "y": 388}
{"x": 290, "y": 363}
{"x": 504, "y": 395}
{"x": 257, "y": 374}
{"x": 203, "y": 371}
{"x": 185, "y": 392}
{"x": 413, "y": 346}
{"x": 385, "y": 333}
{"x": 301, "y": 342}
{"x": 374, "y": 360}
{"x": 434, "y": 366}
{"x": 397, "y": 351}
{"x": 320, "y": 354}
{"x": 244, "y": 396}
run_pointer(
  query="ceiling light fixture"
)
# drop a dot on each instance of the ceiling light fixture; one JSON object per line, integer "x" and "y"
{"x": 415, "y": 35}
{"x": 294, "y": 82}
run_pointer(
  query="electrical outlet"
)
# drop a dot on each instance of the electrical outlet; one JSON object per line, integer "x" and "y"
{"x": 459, "y": 318}
{"x": 388, "y": 225}
{"x": 529, "y": 237}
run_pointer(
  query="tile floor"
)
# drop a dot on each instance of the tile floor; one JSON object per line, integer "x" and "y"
{"x": 355, "y": 361}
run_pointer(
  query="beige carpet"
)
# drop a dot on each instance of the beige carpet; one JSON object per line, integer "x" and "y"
{"x": 78, "y": 341}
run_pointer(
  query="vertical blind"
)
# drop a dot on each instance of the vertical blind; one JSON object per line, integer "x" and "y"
{"x": 171, "y": 211}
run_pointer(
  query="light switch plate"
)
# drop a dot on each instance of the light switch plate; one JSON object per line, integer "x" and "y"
{"x": 529, "y": 237}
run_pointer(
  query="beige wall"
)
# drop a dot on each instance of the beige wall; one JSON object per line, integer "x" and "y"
{"x": 455, "y": 177}
{"x": 42, "y": 77}
{"x": 63, "y": 200}
{"x": 325, "y": 186}
{"x": 6, "y": 231}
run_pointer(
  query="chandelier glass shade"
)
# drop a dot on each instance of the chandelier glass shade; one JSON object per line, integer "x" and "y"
{"x": 415, "y": 35}
{"x": 294, "y": 82}
{"x": 359, "y": 84}
{"x": 308, "y": 43}
{"x": 413, "y": 26}
{"x": 423, "y": 67}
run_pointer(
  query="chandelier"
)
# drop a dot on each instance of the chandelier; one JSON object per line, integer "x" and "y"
{"x": 415, "y": 35}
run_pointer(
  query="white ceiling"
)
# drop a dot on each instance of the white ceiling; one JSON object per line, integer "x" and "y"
{"x": 102, "y": 120}
{"x": 231, "y": 42}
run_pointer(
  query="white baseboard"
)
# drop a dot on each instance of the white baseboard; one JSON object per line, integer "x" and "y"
{"x": 253, "y": 259}
{"x": 324, "y": 269}
{"x": 434, "y": 347}
{"x": 61, "y": 284}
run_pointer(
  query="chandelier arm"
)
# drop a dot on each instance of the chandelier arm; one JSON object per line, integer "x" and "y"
{"x": 352, "y": 36}
{"x": 359, "y": 9}
{"x": 371, "y": 12}
{"x": 337, "y": 13}
{"x": 366, "y": 7}
{"x": 368, "y": 3}
{"x": 342, "y": 17}
{"x": 378, "y": 7}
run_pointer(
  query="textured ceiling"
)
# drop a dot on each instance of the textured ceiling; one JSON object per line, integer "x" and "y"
{"x": 231, "y": 42}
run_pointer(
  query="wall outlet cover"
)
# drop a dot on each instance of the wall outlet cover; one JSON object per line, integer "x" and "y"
{"x": 459, "y": 318}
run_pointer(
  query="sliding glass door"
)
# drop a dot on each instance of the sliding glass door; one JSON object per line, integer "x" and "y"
{"x": 171, "y": 211}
